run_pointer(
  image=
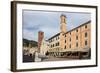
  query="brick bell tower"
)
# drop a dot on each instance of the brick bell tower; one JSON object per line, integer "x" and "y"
{"x": 63, "y": 30}
{"x": 40, "y": 38}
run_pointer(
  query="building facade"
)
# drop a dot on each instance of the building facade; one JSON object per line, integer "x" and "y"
{"x": 44, "y": 47}
{"x": 77, "y": 39}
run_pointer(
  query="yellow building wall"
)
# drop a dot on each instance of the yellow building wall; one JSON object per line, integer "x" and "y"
{"x": 81, "y": 38}
{"x": 88, "y": 38}
{"x": 73, "y": 39}
{"x": 74, "y": 33}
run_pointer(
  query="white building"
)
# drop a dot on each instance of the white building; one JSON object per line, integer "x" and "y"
{"x": 44, "y": 47}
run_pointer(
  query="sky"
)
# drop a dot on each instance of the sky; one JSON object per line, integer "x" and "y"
{"x": 49, "y": 22}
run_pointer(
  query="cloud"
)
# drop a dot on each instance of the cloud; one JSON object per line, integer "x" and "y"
{"x": 49, "y": 22}
{"x": 30, "y": 35}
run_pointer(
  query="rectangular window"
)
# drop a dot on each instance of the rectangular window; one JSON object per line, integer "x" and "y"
{"x": 85, "y": 34}
{"x": 70, "y": 39}
{"x": 70, "y": 33}
{"x": 53, "y": 45}
{"x": 65, "y": 35}
{"x": 65, "y": 47}
{"x": 51, "y": 40}
{"x": 76, "y": 37}
{"x": 77, "y": 30}
{"x": 58, "y": 37}
{"x": 85, "y": 26}
{"x": 65, "y": 41}
{"x": 70, "y": 46}
{"x": 77, "y": 44}
{"x": 86, "y": 43}
{"x": 58, "y": 43}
